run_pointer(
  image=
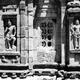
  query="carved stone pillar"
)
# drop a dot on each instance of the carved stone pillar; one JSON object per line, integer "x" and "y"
{"x": 30, "y": 27}
{"x": 23, "y": 32}
{"x": 63, "y": 35}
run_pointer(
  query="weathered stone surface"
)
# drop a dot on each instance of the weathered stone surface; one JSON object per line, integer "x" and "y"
{"x": 36, "y": 43}
{"x": 2, "y": 40}
{"x": 26, "y": 31}
{"x": 62, "y": 35}
{"x": 18, "y": 25}
{"x": 37, "y": 37}
{"x": 74, "y": 59}
{"x": 23, "y": 20}
{"x": 31, "y": 31}
{"x": 18, "y": 44}
{"x": 31, "y": 46}
{"x": 18, "y": 31}
{"x": 30, "y": 7}
{"x": 30, "y": 18}
{"x": 26, "y": 43}
{"x": 23, "y": 42}
{"x": 22, "y": 31}
{"x": 24, "y": 57}
{"x": 2, "y": 44}
{"x": 46, "y": 55}
{"x": 33, "y": 55}
{"x": 47, "y": 78}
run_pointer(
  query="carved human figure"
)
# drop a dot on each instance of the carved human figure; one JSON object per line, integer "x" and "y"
{"x": 10, "y": 33}
{"x": 75, "y": 34}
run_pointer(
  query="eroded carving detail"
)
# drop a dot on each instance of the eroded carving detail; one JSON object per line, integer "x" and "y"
{"x": 46, "y": 54}
{"x": 75, "y": 34}
{"x": 10, "y": 38}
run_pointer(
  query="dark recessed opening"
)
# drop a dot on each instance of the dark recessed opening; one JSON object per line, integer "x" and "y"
{"x": 43, "y": 25}
{"x": 49, "y": 44}
{"x": 43, "y": 36}
{"x": 50, "y": 24}
{"x": 43, "y": 31}
{"x": 50, "y": 31}
{"x": 49, "y": 37}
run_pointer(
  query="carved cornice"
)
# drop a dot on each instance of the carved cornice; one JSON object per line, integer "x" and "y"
{"x": 73, "y": 6}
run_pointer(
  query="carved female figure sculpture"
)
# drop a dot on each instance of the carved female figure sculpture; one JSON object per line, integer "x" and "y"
{"x": 75, "y": 34}
{"x": 10, "y": 33}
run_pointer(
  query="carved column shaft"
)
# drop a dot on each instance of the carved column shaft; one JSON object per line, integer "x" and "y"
{"x": 30, "y": 27}
{"x": 23, "y": 34}
{"x": 62, "y": 35}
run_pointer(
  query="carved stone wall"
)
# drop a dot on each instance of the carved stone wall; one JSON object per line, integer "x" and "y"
{"x": 2, "y": 40}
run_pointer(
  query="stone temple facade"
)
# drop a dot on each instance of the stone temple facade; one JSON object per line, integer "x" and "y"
{"x": 40, "y": 37}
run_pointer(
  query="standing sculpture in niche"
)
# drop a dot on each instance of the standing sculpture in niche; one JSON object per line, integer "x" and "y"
{"x": 10, "y": 38}
{"x": 75, "y": 34}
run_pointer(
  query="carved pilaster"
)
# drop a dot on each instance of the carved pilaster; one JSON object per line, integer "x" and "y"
{"x": 63, "y": 8}
{"x": 23, "y": 26}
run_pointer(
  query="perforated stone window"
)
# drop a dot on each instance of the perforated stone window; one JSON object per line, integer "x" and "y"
{"x": 47, "y": 33}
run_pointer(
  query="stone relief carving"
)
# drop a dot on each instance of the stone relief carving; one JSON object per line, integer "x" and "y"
{"x": 75, "y": 35}
{"x": 10, "y": 38}
{"x": 6, "y": 60}
{"x": 8, "y": 56}
{"x": 73, "y": 6}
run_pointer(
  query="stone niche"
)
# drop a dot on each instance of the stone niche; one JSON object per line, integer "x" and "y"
{"x": 8, "y": 35}
{"x": 73, "y": 32}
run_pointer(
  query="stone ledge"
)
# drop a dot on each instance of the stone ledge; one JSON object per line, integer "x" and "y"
{"x": 51, "y": 70}
{"x": 75, "y": 51}
{"x": 46, "y": 63}
{"x": 16, "y": 71}
{"x": 15, "y": 64}
{"x": 74, "y": 65}
{"x": 10, "y": 53}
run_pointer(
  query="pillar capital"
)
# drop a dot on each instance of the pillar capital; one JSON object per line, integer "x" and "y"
{"x": 22, "y": 5}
